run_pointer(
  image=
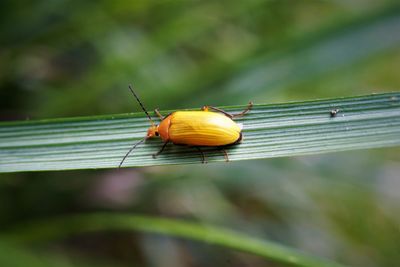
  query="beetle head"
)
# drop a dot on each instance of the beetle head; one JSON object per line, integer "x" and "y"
{"x": 152, "y": 131}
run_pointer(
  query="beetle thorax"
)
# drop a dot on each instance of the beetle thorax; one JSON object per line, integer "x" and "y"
{"x": 163, "y": 128}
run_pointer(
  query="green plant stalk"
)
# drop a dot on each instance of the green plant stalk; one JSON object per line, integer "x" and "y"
{"x": 274, "y": 130}
{"x": 63, "y": 227}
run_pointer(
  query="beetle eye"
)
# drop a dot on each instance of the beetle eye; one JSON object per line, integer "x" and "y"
{"x": 157, "y": 134}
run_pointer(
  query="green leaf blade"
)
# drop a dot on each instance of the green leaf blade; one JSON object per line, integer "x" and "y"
{"x": 63, "y": 227}
{"x": 276, "y": 130}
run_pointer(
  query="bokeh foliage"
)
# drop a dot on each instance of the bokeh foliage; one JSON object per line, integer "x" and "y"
{"x": 67, "y": 58}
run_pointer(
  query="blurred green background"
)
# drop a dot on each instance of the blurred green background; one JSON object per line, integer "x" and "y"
{"x": 73, "y": 58}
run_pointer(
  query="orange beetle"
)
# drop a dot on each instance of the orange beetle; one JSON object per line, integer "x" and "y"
{"x": 194, "y": 128}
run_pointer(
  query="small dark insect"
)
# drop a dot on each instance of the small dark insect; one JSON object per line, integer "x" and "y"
{"x": 334, "y": 112}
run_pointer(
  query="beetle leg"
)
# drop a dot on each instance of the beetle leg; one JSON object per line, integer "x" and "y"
{"x": 161, "y": 150}
{"x": 203, "y": 157}
{"x": 158, "y": 114}
{"x": 250, "y": 105}
{"x": 225, "y": 155}
{"x": 204, "y": 108}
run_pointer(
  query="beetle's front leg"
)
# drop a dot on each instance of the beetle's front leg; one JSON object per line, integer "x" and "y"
{"x": 161, "y": 150}
{"x": 158, "y": 114}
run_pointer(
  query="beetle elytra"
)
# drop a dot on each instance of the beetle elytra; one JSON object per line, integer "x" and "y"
{"x": 202, "y": 128}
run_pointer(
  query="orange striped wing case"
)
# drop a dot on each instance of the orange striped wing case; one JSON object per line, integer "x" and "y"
{"x": 203, "y": 128}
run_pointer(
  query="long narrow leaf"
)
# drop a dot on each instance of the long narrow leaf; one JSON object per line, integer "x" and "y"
{"x": 269, "y": 131}
{"x": 65, "y": 226}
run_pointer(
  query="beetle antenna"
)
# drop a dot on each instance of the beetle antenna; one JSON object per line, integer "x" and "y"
{"x": 140, "y": 103}
{"x": 130, "y": 150}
